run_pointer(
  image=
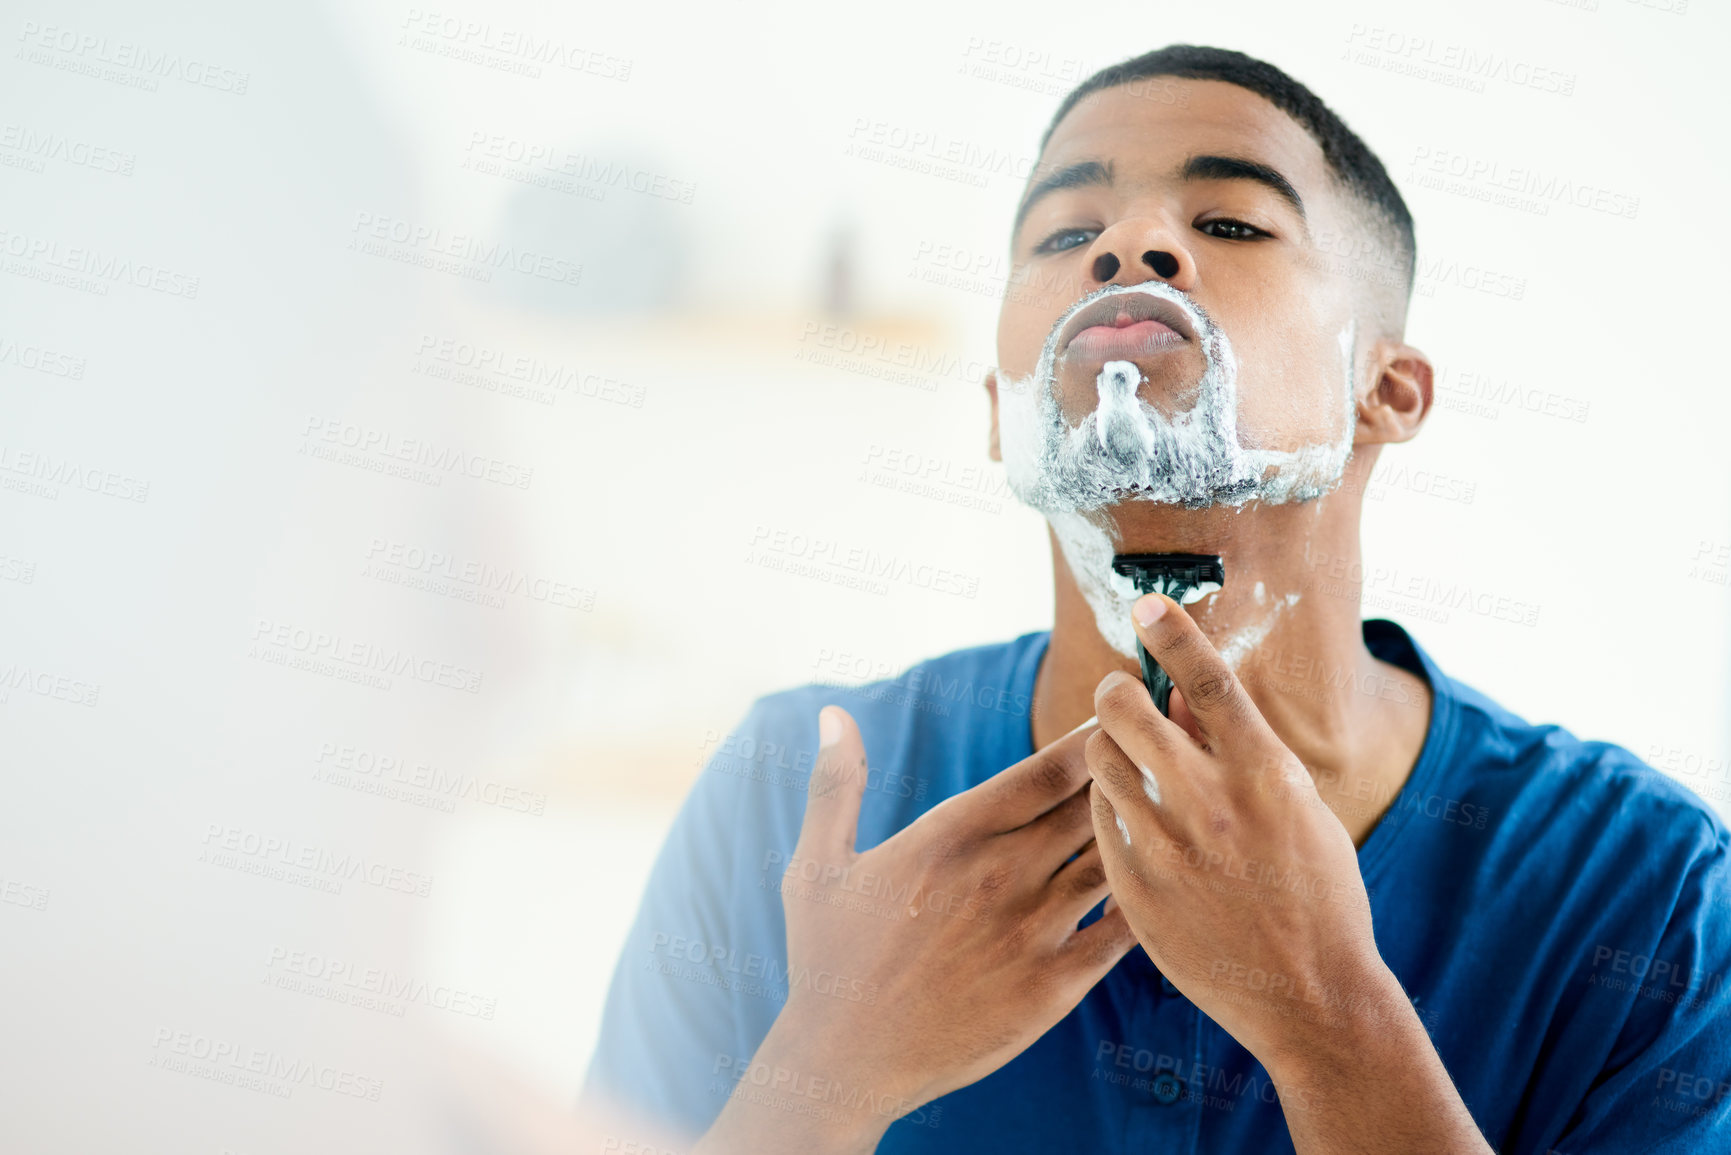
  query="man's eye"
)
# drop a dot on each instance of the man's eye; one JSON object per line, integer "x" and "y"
{"x": 1066, "y": 239}
{"x": 1230, "y": 230}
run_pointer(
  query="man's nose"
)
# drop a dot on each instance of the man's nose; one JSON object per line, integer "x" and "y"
{"x": 1131, "y": 252}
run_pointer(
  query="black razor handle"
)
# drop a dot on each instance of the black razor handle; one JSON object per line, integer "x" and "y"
{"x": 1158, "y": 681}
{"x": 1175, "y": 575}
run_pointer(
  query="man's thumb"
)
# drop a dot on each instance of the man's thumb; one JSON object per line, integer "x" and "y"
{"x": 838, "y": 781}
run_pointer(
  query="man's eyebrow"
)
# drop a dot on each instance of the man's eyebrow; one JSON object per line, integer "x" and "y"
{"x": 1237, "y": 168}
{"x": 1087, "y": 173}
{"x": 1078, "y": 175}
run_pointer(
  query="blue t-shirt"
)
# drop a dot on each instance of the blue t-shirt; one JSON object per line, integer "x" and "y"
{"x": 1558, "y": 912}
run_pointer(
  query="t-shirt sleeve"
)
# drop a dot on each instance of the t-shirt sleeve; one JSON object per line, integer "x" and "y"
{"x": 670, "y": 1025}
{"x": 1666, "y": 1086}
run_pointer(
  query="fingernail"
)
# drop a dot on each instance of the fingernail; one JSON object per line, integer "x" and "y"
{"x": 1149, "y": 610}
{"x": 828, "y": 726}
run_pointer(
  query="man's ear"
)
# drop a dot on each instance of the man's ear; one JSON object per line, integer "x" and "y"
{"x": 993, "y": 450}
{"x": 1400, "y": 396}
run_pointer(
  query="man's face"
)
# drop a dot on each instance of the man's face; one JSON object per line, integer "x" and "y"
{"x": 1241, "y": 346}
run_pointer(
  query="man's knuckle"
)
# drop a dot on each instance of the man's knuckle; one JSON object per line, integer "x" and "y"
{"x": 1214, "y": 688}
{"x": 1049, "y": 776}
{"x": 1100, "y": 748}
{"x": 1106, "y": 947}
{"x": 1090, "y": 877}
{"x": 1118, "y": 699}
{"x": 825, "y": 782}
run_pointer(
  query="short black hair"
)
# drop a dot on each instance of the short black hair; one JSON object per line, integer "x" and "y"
{"x": 1348, "y": 158}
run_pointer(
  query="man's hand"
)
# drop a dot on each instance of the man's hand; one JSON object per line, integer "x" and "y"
{"x": 1244, "y": 889}
{"x": 1240, "y": 882}
{"x": 963, "y": 925}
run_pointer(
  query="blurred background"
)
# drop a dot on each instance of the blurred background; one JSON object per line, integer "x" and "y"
{"x": 424, "y": 431}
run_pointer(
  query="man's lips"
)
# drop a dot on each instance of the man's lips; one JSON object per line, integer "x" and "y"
{"x": 1125, "y": 325}
{"x": 1123, "y": 340}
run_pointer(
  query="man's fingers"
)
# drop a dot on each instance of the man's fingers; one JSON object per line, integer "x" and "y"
{"x": 1081, "y": 884}
{"x": 1178, "y": 710}
{"x": 1211, "y": 690}
{"x": 1049, "y": 841}
{"x": 1152, "y": 808}
{"x": 1098, "y": 946}
{"x": 1110, "y": 829}
{"x": 838, "y": 782}
{"x": 1127, "y": 712}
{"x": 1150, "y": 744}
{"x": 1115, "y": 774}
{"x": 1019, "y": 795}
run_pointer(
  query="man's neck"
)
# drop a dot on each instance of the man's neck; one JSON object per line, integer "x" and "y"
{"x": 1288, "y": 621}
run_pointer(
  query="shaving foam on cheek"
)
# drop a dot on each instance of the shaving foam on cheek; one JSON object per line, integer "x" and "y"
{"x": 1348, "y": 352}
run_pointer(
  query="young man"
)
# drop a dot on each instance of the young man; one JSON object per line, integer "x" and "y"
{"x": 1354, "y": 904}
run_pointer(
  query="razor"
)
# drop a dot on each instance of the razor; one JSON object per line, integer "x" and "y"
{"x": 1183, "y": 577}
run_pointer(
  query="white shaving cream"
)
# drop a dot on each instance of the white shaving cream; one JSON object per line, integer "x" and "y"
{"x": 1126, "y": 449}
{"x": 1242, "y": 641}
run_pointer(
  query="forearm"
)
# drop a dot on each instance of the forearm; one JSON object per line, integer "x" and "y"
{"x": 793, "y": 1100}
{"x": 1372, "y": 1082}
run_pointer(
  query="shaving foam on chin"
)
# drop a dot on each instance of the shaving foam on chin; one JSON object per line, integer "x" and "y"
{"x": 1126, "y": 449}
